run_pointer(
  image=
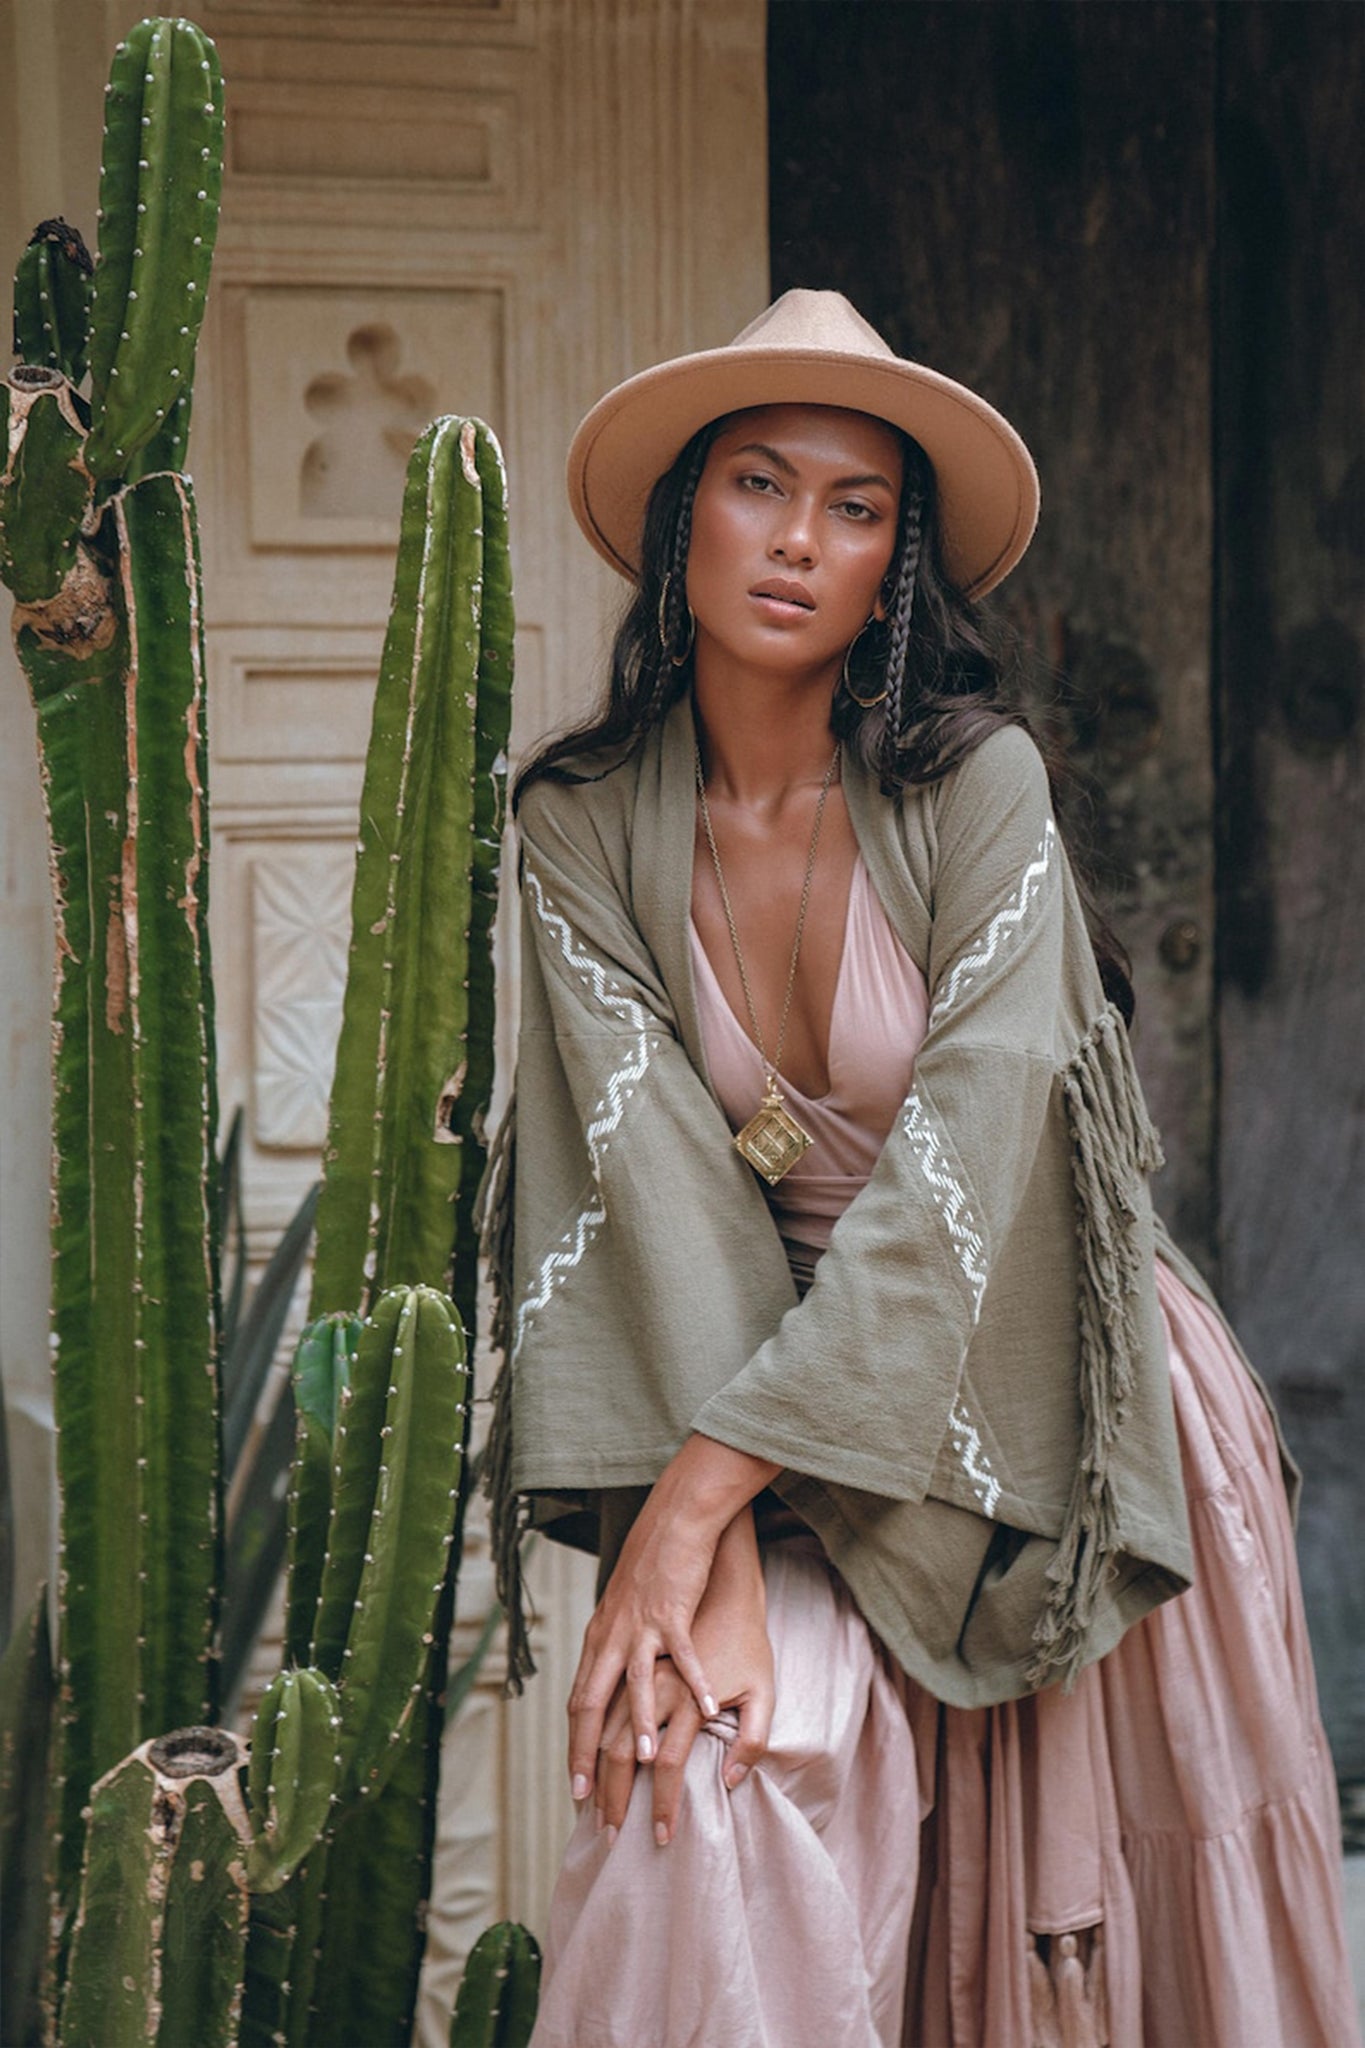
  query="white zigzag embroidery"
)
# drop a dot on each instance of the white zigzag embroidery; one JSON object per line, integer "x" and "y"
{"x": 557, "y": 1264}
{"x": 950, "y": 1197}
{"x": 972, "y": 1457}
{"x": 1003, "y": 926}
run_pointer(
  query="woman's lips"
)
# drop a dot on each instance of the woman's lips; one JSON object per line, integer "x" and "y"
{"x": 784, "y": 598}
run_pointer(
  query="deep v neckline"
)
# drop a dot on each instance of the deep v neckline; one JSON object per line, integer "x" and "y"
{"x": 739, "y": 1027}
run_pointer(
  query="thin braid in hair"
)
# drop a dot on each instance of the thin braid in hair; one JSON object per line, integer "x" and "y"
{"x": 901, "y": 614}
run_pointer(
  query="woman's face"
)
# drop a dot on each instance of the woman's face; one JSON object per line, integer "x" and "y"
{"x": 793, "y": 530}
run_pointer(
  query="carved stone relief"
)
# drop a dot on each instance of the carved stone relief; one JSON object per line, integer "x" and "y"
{"x": 340, "y": 384}
{"x": 300, "y": 923}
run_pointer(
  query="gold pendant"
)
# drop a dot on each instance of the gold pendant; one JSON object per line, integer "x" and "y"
{"x": 772, "y": 1141}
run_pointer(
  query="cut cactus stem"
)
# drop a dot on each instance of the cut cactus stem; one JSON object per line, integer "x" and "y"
{"x": 158, "y": 1949}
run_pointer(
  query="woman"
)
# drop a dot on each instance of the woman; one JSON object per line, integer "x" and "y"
{"x": 838, "y": 1322}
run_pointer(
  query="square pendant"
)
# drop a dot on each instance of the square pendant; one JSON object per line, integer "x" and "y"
{"x": 772, "y": 1141}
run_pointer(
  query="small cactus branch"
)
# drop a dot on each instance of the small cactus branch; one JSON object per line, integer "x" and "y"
{"x": 160, "y": 185}
{"x": 52, "y": 300}
{"x": 408, "y": 1538}
{"x": 323, "y": 1365}
{"x": 294, "y": 1770}
{"x": 500, "y": 1990}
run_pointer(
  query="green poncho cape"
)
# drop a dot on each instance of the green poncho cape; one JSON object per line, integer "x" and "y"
{"x": 973, "y": 1401}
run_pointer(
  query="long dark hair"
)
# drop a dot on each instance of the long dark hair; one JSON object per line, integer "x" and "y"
{"x": 934, "y": 666}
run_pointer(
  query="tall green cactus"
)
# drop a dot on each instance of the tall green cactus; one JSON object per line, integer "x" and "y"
{"x": 404, "y": 1095}
{"x": 100, "y": 550}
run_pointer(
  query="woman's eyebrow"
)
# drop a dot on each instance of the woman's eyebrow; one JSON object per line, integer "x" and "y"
{"x": 841, "y": 483}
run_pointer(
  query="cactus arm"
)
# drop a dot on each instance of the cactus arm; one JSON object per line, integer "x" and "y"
{"x": 356, "y": 1467}
{"x": 294, "y": 1768}
{"x": 500, "y": 1990}
{"x": 409, "y": 1536}
{"x": 174, "y": 1171}
{"x": 385, "y": 1214}
{"x": 44, "y": 488}
{"x": 52, "y": 300}
{"x": 322, "y": 1373}
{"x": 160, "y": 184}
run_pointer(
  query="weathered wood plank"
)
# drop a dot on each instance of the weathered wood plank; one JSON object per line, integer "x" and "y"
{"x": 1291, "y": 668}
{"x": 1022, "y": 196}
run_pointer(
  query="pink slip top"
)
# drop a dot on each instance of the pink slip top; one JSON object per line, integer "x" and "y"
{"x": 876, "y": 1026}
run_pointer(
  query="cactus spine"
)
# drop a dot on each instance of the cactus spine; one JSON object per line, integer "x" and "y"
{"x": 496, "y": 2007}
{"x": 102, "y": 556}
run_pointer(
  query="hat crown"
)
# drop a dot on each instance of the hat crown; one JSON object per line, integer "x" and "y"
{"x": 803, "y": 319}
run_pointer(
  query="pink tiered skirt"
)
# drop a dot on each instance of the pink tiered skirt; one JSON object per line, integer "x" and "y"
{"x": 1152, "y": 1861}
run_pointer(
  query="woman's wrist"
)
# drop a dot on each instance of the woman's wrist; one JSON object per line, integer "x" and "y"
{"x": 706, "y": 1485}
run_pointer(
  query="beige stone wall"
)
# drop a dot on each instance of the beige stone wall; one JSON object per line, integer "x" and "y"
{"x": 497, "y": 207}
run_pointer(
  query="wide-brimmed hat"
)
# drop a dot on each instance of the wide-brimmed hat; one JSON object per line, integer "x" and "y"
{"x": 809, "y": 348}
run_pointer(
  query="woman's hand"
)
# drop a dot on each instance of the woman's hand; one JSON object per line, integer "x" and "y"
{"x": 652, "y": 1596}
{"x": 731, "y": 1637}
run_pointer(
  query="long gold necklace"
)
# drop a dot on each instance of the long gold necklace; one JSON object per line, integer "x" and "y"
{"x": 772, "y": 1141}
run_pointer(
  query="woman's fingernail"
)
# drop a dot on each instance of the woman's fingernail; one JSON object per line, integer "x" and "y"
{"x": 736, "y": 1776}
{"x": 661, "y": 1833}
{"x": 644, "y": 1749}
{"x": 581, "y": 1787}
{"x": 709, "y": 1707}
{"x": 611, "y": 1838}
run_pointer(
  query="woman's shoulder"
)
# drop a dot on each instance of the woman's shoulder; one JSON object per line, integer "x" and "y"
{"x": 579, "y": 817}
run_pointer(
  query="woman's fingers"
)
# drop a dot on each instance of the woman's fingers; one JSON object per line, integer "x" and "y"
{"x": 684, "y": 1725}
{"x": 616, "y": 1767}
{"x": 755, "y": 1722}
{"x": 599, "y": 1674}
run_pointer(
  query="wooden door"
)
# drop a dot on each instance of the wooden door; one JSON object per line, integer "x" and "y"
{"x": 1137, "y": 230}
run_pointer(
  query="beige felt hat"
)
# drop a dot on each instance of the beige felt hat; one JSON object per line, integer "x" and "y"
{"x": 809, "y": 348}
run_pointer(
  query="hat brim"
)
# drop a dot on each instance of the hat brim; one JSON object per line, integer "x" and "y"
{"x": 987, "y": 484}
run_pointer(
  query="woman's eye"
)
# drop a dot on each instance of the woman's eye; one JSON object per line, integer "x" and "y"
{"x": 755, "y": 481}
{"x": 855, "y": 509}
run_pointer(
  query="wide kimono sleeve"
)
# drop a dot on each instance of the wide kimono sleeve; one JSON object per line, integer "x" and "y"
{"x": 645, "y": 1267}
{"x": 859, "y": 1387}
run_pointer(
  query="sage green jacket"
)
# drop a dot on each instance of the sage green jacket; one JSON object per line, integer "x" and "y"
{"x": 972, "y": 1403}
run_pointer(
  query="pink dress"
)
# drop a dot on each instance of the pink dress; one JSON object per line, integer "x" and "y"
{"x": 1151, "y": 1861}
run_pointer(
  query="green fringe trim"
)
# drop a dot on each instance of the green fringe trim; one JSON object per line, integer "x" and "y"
{"x": 493, "y": 1218}
{"x": 1114, "y": 1142}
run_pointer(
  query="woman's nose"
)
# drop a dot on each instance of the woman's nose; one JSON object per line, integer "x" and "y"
{"x": 793, "y": 537}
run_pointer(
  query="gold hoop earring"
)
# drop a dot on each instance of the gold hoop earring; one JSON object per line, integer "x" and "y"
{"x": 678, "y": 660}
{"x": 863, "y": 703}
